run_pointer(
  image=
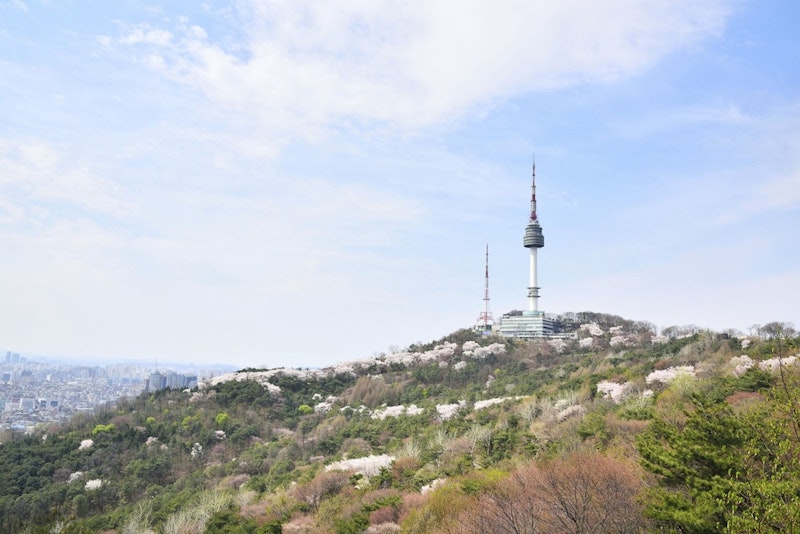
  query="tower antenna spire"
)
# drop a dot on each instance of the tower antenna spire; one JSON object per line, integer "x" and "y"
{"x": 485, "y": 320}
{"x": 533, "y": 191}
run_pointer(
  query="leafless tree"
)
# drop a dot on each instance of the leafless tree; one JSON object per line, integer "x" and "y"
{"x": 585, "y": 493}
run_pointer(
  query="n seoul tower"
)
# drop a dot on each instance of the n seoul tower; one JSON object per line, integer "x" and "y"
{"x": 533, "y": 241}
{"x": 531, "y": 323}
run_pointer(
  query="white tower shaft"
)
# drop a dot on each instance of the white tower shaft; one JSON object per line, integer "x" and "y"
{"x": 533, "y": 284}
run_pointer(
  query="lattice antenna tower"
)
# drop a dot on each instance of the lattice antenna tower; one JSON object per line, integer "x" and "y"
{"x": 485, "y": 320}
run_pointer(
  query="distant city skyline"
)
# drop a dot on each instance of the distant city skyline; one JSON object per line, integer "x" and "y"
{"x": 144, "y": 363}
{"x": 298, "y": 184}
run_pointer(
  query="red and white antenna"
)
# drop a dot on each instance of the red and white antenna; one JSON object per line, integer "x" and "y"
{"x": 485, "y": 320}
{"x": 534, "y": 218}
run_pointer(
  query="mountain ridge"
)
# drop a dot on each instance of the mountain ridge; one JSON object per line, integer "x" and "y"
{"x": 372, "y": 445}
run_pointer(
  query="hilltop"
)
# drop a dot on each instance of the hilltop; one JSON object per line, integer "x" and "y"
{"x": 690, "y": 430}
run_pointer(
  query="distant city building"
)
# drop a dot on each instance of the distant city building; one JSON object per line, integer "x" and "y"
{"x": 531, "y": 323}
{"x": 156, "y": 382}
{"x": 172, "y": 380}
{"x": 34, "y": 393}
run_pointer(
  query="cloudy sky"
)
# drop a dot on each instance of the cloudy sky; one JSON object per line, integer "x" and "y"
{"x": 297, "y": 183}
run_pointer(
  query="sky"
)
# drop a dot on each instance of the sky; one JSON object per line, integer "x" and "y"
{"x": 294, "y": 183}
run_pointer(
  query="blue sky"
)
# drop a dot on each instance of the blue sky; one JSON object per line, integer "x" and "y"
{"x": 299, "y": 183}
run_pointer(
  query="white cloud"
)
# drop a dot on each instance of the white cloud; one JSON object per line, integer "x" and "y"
{"x": 91, "y": 269}
{"x": 304, "y": 67}
{"x": 34, "y": 173}
{"x": 781, "y": 193}
{"x": 147, "y": 35}
{"x": 673, "y": 119}
{"x": 18, "y": 4}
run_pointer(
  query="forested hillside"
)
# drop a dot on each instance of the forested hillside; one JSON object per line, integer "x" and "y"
{"x": 612, "y": 430}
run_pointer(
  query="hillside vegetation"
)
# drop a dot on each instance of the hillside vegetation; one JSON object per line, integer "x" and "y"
{"x": 615, "y": 430}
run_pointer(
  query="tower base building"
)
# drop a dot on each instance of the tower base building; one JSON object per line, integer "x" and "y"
{"x": 527, "y": 325}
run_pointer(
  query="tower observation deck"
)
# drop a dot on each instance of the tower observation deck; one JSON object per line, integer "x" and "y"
{"x": 531, "y": 323}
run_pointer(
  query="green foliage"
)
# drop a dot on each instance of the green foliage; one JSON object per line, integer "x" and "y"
{"x": 593, "y": 425}
{"x": 222, "y": 419}
{"x": 248, "y": 392}
{"x": 230, "y": 522}
{"x": 481, "y": 481}
{"x": 103, "y": 428}
{"x": 695, "y": 461}
{"x": 728, "y": 466}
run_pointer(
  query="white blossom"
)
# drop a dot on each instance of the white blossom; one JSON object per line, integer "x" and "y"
{"x": 438, "y": 353}
{"x": 152, "y": 440}
{"x": 571, "y": 411}
{"x": 367, "y": 466}
{"x": 665, "y": 376}
{"x": 197, "y": 451}
{"x": 592, "y": 328}
{"x": 74, "y": 476}
{"x": 388, "y": 411}
{"x": 586, "y": 342}
{"x": 323, "y": 407}
{"x": 446, "y": 411}
{"x": 658, "y": 340}
{"x": 220, "y": 435}
{"x": 446, "y": 349}
{"x": 262, "y": 377}
{"x": 469, "y": 346}
{"x": 773, "y": 364}
{"x": 481, "y": 404}
{"x": 614, "y": 391}
{"x": 741, "y": 364}
{"x": 396, "y": 411}
{"x": 361, "y": 409}
{"x": 93, "y": 484}
{"x": 427, "y": 488}
{"x": 414, "y": 410}
{"x": 460, "y": 365}
{"x": 617, "y": 340}
{"x": 558, "y": 344}
{"x": 494, "y": 348}
{"x": 86, "y": 444}
{"x": 562, "y": 403}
